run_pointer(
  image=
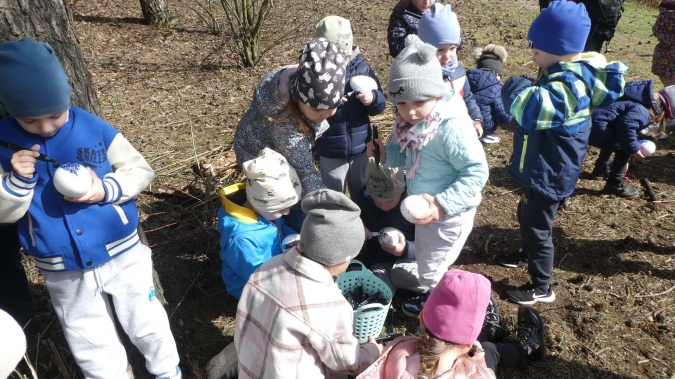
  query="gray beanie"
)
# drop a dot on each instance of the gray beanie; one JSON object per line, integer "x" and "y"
{"x": 333, "y": 232}
{"x": 416, "y": 73}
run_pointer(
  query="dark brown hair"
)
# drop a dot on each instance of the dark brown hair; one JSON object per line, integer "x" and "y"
{"x": 291, "y": 109}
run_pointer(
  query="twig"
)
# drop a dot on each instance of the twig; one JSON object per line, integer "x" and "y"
{"x": 186, "y": 291}
{"x": 59, "y": 361}
{"x": 657, "y": 294}
{"x": 663, "y": 201}
{"x": 487, "y": 243}
{"x": 650, "y": 192}
{"x": 513, "y": 190}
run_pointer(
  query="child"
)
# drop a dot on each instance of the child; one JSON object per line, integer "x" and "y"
{"x": 445, "y": 163}
{"x": 292, "y": 320}
{"x": 289, "y": 111}
{"x": 87, "y": 247}
{"x": 249, "y": 222}
{"x": 484, "y": 81}
{"x": 440, "y": 28}
{"x": 448, "y": 344}
{"x": 404, "y": 20}
{"x": 380, "y": 204}
{"x": 550, "y": 141}
{"x": 663, "y": 61}
{"x": 615, "y": 130}
{"x": 342, "y": 147}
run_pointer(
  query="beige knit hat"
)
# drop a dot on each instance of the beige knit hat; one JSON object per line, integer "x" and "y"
{"x": 271, "y": 183}
{"x": 379, "y": 180}
{"x": 338, "y": 30}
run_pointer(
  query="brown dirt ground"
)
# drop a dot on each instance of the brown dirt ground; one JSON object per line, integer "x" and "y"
{"x": 177, "y": 94}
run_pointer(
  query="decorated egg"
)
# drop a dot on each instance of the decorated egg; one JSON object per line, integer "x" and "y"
{"x": 288, "y": 239}
{"x": 363, "y": 83}
{"x": 413, "y": 207}
{"x": 388, "y": 236}
{"x": 72, "y": 180}
{"x": 648, "y": 147}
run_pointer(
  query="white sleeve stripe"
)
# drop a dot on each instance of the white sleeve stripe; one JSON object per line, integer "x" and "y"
{"x": 18, "y": 187}
{"x": 113, "y": 189}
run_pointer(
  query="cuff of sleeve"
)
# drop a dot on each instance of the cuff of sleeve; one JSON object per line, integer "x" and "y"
{"x": 113, "y": 191}
{"x": 410, "y": 254}
{"x": 18, "y": 185}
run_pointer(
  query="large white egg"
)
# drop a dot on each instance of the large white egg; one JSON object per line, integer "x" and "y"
{"x": 413, "y": 207}
{"x": 388, "y": 236}
{"x": 648, "y": 147}
{"x": 363, "y": 83}
{"x": 72, "y": 180}
{"x": 288, "y": 239}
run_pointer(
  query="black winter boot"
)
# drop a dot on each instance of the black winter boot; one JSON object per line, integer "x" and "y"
{"x": 620, "y": 188}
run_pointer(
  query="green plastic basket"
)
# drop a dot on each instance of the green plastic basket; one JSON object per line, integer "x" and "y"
{"x": 369, "y": 319}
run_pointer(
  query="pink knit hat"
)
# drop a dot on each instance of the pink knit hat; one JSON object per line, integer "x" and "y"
{"x": 455, "y": 309}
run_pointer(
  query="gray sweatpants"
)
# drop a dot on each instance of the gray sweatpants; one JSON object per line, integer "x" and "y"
{"x": 80, "y": 299}
{"x": 337, "y": 174}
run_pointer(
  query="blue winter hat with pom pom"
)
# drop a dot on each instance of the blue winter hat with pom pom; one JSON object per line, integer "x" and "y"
{"x": 416, "y": 73}
{"x": 33, "y": 80}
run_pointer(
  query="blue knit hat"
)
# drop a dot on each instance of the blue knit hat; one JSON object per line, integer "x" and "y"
{"x": 33, "y": 81}
{"x": 439, "y": 26}
{"x": 560, "y": 29}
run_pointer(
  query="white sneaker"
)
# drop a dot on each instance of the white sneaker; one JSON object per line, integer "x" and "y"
{"x": 490, "y": 138}
{"x": 650, "y": 130}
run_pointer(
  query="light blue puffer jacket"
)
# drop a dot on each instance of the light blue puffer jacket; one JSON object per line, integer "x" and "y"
{"x": 452, "y": 166}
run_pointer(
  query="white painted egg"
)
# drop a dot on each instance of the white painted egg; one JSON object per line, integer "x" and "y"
{"x": 388, "y": 236}
{"x": 363, "y": 83}
{"x": 288, "y": 239}
{"x": 648, "y": 147}
{"x": 72, "y": 180}
{"x": 413, "y": 207}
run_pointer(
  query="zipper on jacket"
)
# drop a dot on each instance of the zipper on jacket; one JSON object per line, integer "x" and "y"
{"x": 522, "y": 154}
{"x": 120, "y": 211}
{"x": 30, "y": 230}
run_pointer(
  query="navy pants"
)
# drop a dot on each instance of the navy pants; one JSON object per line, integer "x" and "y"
{"x": 617, "y": 168}
{"x": 536, "y": 214}
{"x": 503, "y": 355}
{"x": 14, "y": 291}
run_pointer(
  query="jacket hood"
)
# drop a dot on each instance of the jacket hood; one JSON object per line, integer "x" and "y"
{"x": 481, "y": 79}
{"x": 242, "y": 218}
{"x": 639, "y": 91}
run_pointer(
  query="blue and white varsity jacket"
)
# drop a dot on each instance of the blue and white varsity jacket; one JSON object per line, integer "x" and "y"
{"x": 64, "y": 235}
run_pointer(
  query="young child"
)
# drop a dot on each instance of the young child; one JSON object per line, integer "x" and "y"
{"x": 615, "y": 130}
{"x": 292, "y": 320}
{"x": 404, "y": 20}
{"x": 440, "y": 28}
{"x": 87, "y": 247}
{"x": 250, "y": 221}
{"x": 485, "y": 83}
{"x": 553, "y": 115}
{"x": 289, "y": 111}
{"x": 342, "y": 148}
{"x": 448, "y": 344}
{"x": 445, "y": 163}
{"x": 663, "y": 61}
{"x": 380, "y": 204}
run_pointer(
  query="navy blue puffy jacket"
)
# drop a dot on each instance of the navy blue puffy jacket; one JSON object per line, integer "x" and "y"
{"x": 349, "y": 129}
{"x": 459, "y": 82}
{"x": 623, "y": 119}
{"x": 487, "y": 91}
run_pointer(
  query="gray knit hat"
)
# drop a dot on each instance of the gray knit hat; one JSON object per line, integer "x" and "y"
{"x": 416, "y": 73}
{"x": 320, "y": 79}
{"x": 379, "y": 180}
{"x": 333, "y": 232}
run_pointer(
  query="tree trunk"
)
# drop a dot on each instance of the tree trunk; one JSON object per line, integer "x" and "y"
{"x": 51, "y": 22}
{"x": 157, "y": 12}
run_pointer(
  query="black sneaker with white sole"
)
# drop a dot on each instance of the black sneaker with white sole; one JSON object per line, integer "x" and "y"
{"x": 413, "y": 307}
{"x": 529, "y": 294}
{"x": 530, "y": 335}
{"x": 493, "y": 330}
{"x": 512, "y": 258}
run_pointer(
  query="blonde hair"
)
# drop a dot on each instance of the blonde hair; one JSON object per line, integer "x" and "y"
{"x": 430, "y": 349}
{"x": 662, "y": 118}
{"x": 291, "y": 109}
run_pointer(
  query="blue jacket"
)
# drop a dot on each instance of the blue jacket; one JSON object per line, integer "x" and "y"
{"x": 487, "y": 91}
{"x": 458, "y": 81}
{"x": 375, "y": 219}
{"x": 554, "y": 121}
{"x": 64, "y": 235}
{"x": 401, "y": 23}
{"x": 349, "y": 129}
{"x": 623, "y": 119}
{"x": 452, "y": 165}
{"x": 246, "y": 240}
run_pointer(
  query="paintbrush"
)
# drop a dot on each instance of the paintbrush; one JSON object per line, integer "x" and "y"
{"x": 15, "y": 147}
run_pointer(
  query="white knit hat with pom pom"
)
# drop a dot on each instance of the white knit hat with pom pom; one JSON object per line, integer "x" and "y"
{"x": 416, "y": 73}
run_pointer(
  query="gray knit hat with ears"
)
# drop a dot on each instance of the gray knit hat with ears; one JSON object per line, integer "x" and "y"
{"x": 333, "y": 232}
{"x": 320, "y": 79}
{"x": 416, "y": 73}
